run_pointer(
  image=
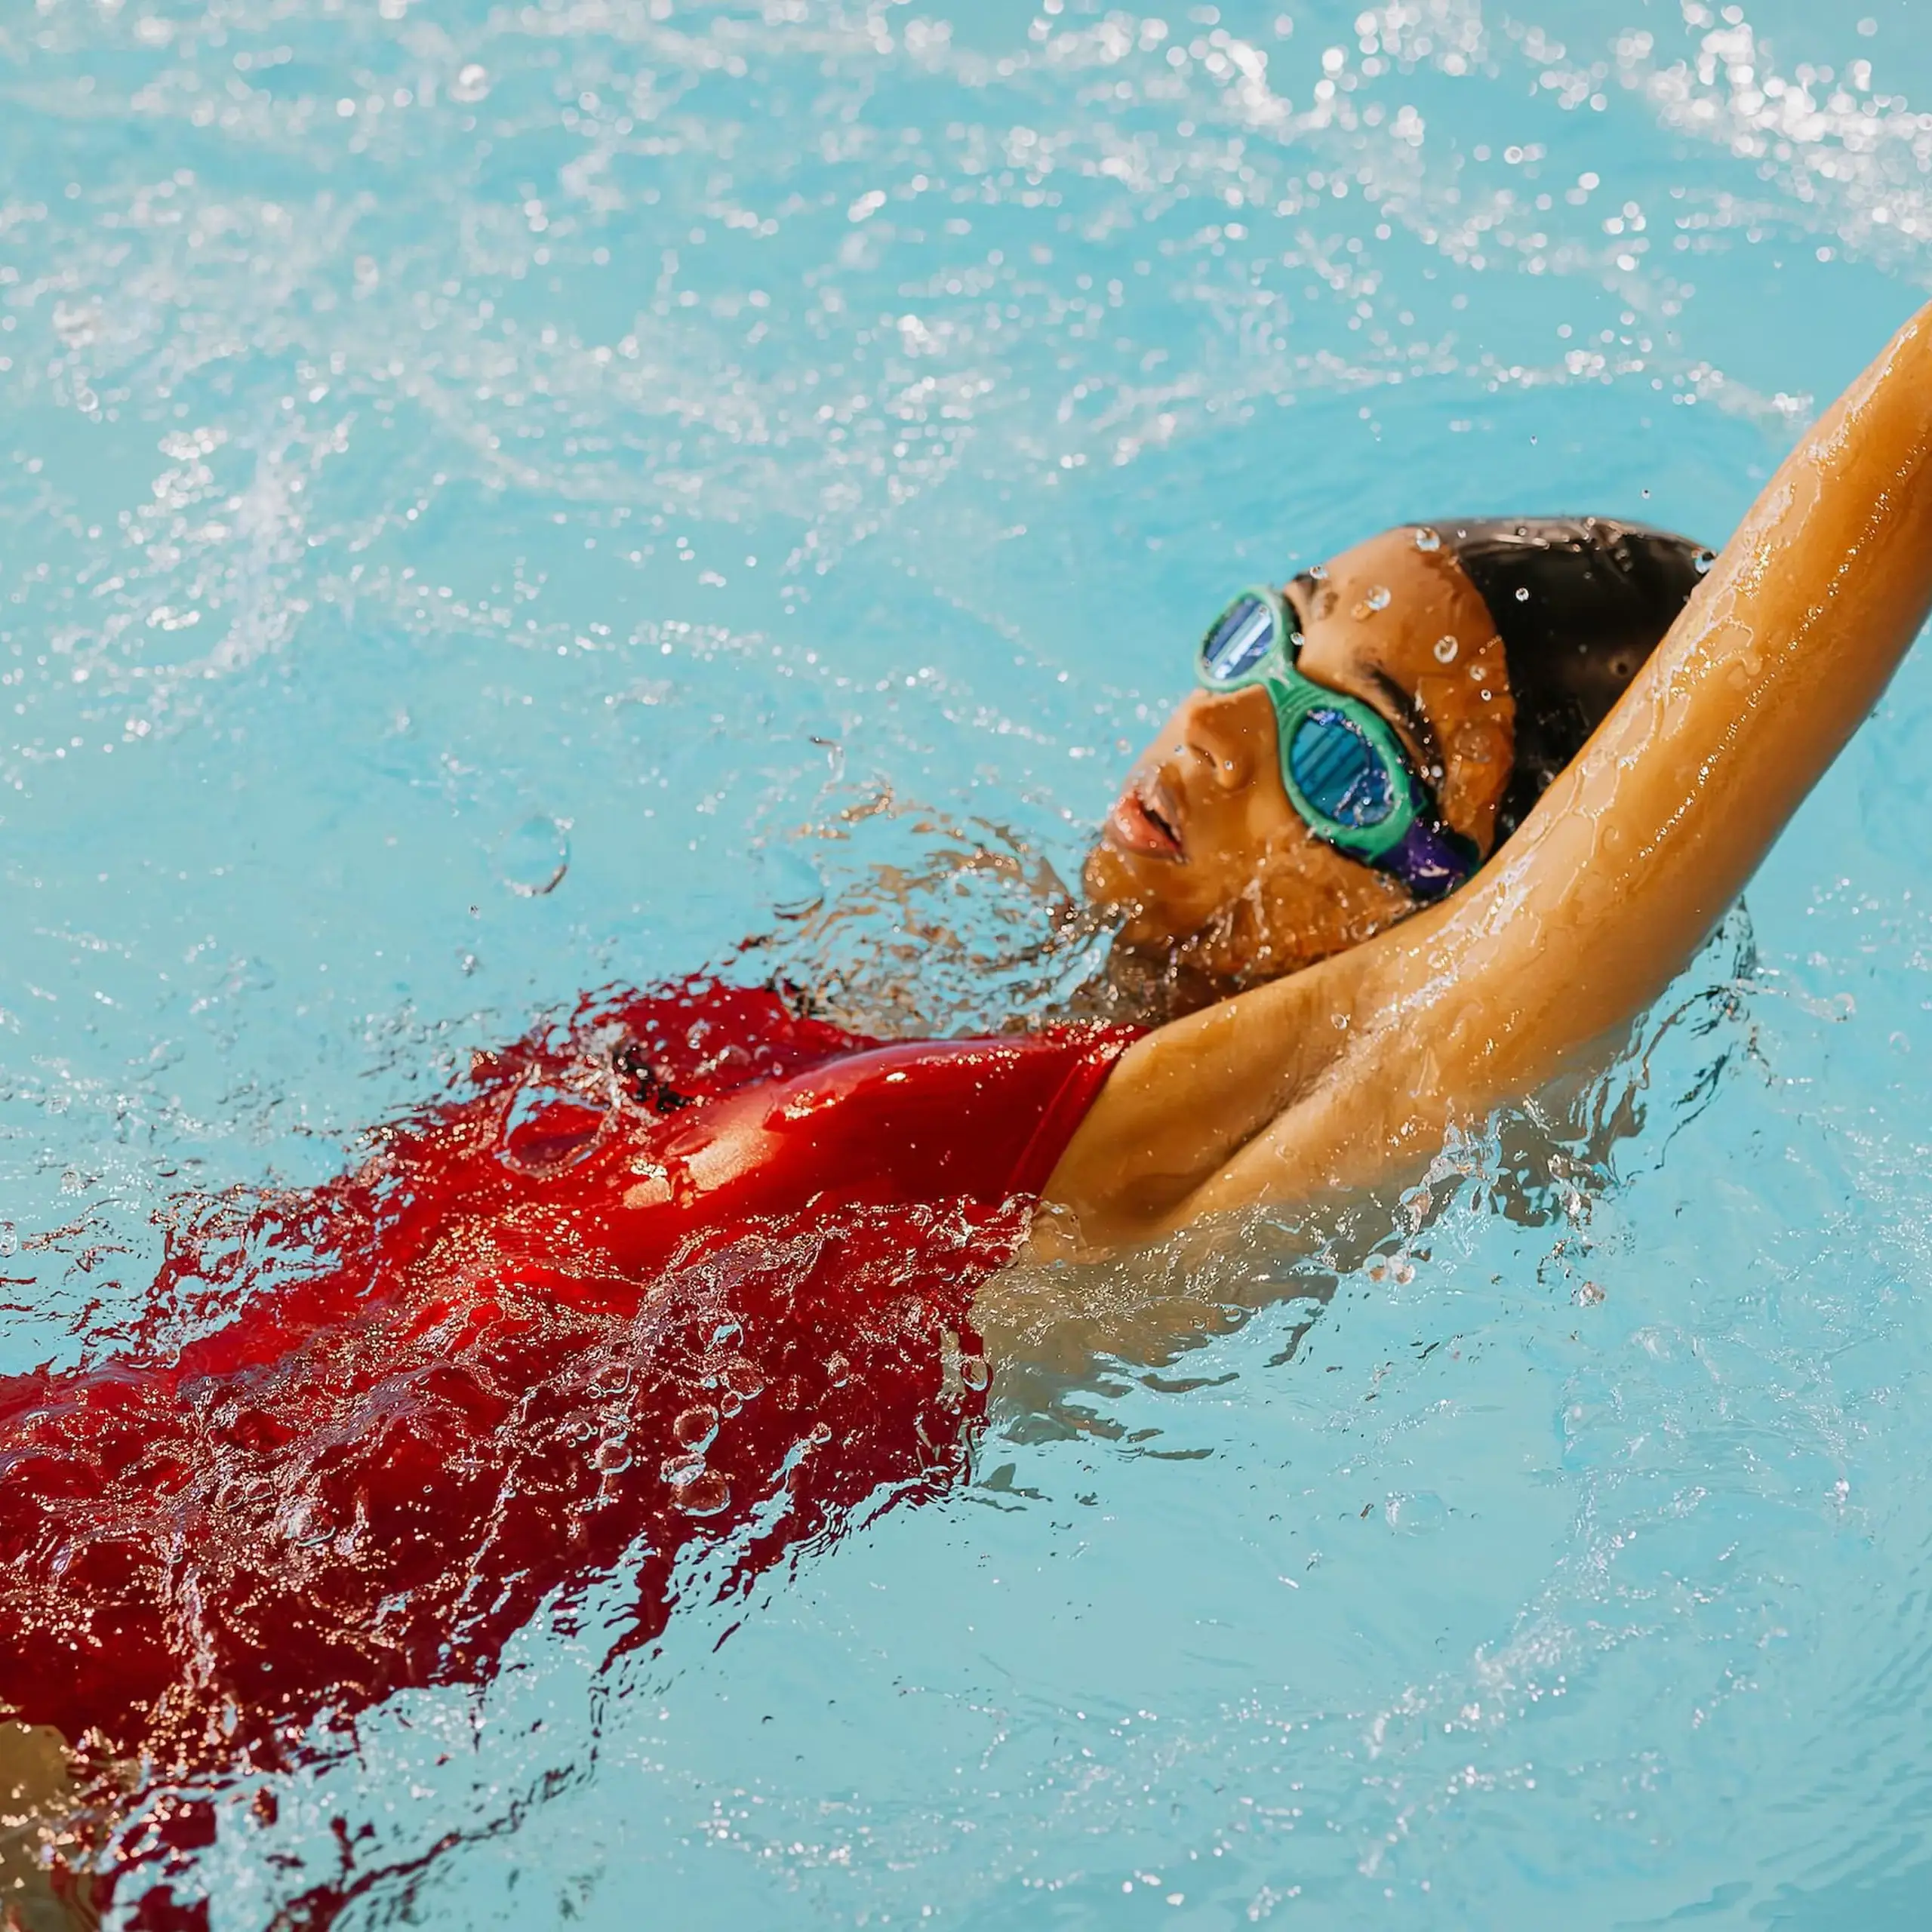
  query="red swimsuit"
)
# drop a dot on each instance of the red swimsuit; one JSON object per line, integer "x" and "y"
{"x": 701, "y": 1276}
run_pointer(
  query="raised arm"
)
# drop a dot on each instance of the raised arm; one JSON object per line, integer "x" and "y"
{"x": 1342, "y": 1075}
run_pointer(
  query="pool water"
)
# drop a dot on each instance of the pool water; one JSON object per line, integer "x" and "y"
{"x": 497, "y": 501}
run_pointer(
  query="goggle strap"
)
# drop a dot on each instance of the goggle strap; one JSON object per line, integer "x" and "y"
{"x": 1429, "y": 859}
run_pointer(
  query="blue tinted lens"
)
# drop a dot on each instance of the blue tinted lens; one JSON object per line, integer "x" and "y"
{"x": 1239, "y": 640}
{"x": 1339, "y": 771}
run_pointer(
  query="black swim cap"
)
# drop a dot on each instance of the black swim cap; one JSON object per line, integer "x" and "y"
{"x": 1579, "y": 602}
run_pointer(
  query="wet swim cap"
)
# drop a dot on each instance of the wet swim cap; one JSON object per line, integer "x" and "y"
{"x": 1579, "y": 602}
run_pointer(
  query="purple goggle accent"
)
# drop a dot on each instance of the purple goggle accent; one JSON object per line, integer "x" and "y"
{"x": 1429, "y": 859}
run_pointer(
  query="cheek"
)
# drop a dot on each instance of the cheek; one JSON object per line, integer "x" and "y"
{"x": 1321, "y": 903}
{"x": 1250, "y": 838}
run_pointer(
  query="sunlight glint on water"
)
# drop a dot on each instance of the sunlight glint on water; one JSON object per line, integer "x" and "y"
{"x": 500, "y": 500}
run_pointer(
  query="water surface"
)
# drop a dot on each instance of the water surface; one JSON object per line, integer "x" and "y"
{"x": 501, "y": 500}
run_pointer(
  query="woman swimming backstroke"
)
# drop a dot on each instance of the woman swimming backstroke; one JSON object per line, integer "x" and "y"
{"x": 671, "y": 1289}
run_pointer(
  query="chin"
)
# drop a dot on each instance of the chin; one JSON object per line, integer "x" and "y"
{"x": 1117, "y": 883}
{"x": 1104, "y": 879}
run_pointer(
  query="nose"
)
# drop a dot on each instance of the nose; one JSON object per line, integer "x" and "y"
{"x": 1217, "y": 728}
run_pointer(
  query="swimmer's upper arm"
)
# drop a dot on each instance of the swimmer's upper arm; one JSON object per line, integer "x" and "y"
{"x": 1183, "y": 1102}
{"x": 1621, "y": 871}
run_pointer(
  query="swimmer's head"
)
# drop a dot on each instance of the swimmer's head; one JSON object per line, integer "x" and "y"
{"x": 1492, "y": 649}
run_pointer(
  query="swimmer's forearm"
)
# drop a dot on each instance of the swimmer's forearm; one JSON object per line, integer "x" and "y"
{"x": 1634, "y": 854}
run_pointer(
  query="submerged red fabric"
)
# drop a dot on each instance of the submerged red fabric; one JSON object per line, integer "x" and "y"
{"x": 696, "y": 1279}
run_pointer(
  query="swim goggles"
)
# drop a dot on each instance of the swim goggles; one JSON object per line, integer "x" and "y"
{"x": 1345, "y": 771}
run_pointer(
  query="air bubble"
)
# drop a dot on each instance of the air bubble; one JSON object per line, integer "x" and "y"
{"x": 471, "y": 83}
{"x": 1445, "y": 650}
{"x": 705, "y": 1495}
{"x": 611, "y": 1459}
{"x": 532, "y": 860}
{"x": 695, "y": 1427}
{"x": 792, "y": 881}
{"x": 1705, "y": 559}
{"x": 743, "y": 1378}
{"x": 1420, "y": 1514}
{"x": 1428, "y": 540}
{"x": 306, "y": 1522}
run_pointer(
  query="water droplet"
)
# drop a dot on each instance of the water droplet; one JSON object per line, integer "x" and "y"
{"x": 1705, "y": 559}
{"x": 1427, "y": 540}
{"x": 1445, "y": 650}
{"x": 1318, "y": 573}
{"x": 1523, "y": 594}
{"x": 1377, "y": 599}
{"x": 533, "y": 858}
{"x": 471, "y": 83}
{"x": 792, "y": 881}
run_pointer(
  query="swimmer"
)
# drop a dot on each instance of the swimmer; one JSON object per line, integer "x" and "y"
{"x": 668, "y": 1291}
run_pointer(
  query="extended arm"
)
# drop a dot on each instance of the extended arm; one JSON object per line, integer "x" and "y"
{"x": 1340, "y": 1076}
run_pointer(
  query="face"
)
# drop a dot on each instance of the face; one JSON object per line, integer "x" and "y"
{"x": 1210, "y": 865}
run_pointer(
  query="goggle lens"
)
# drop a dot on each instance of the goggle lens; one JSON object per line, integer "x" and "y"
{"x": 1339, "y": 772}
{"x": 1239, "y": 640}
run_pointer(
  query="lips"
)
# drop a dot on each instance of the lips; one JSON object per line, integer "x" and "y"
{"x": 1144, "y": 820}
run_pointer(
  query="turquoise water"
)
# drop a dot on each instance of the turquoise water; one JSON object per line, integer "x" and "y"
{"x": 496, "y": 501}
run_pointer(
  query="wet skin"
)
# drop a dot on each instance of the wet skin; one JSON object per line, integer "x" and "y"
{"x": 1204, "y": 855}
{"x": 1344, "y": 1076}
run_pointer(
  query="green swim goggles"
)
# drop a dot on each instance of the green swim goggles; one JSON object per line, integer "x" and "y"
{"x": 1344, "y": 770}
